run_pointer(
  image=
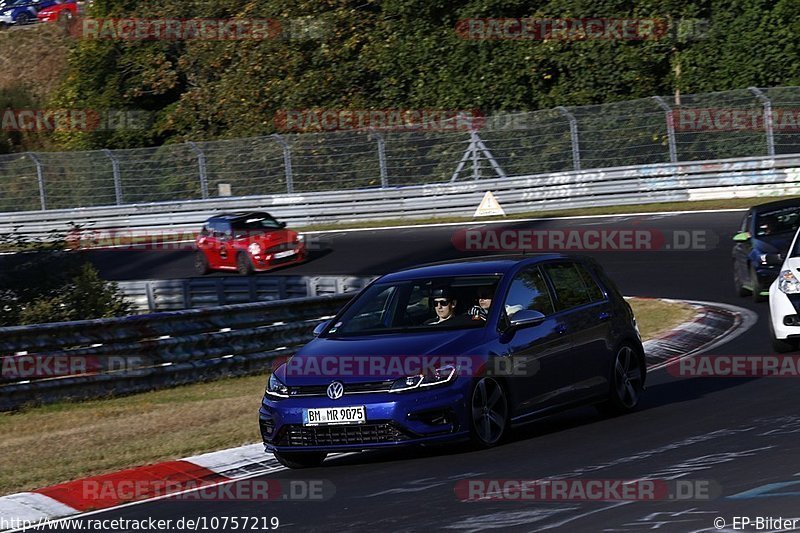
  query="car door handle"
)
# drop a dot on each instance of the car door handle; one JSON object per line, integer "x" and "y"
{"x": 604, "y": 315}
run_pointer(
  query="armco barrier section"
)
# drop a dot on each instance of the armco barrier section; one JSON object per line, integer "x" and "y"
{"x": 146, "y": 352}
{"x": 176, "y": 294}
{"x": 745, "y": 177}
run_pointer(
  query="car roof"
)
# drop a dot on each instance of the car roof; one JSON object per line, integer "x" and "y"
{"x": 240, "y": 215}
{"x": 472, "y": 266}
{"x": 769, "y": 206}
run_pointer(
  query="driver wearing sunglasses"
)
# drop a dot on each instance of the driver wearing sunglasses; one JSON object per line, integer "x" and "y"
{"x": 444, "y": 305}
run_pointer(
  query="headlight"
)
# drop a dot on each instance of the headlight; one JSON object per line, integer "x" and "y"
{"x": 439, "y": 376}
{"x": 254, "y": 249}
{"x": 276, "y": 388}
{"x": 763, "y": 259}
{"x": 787, "y": 283}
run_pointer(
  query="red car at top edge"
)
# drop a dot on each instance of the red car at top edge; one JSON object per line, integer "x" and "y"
{"x": 247, "y": 242}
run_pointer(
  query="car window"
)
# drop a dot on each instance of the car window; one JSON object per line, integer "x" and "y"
{"x": 777, "y": 221}
{"x": 746, "y": 222}
{"x": 220, "y": 228}
{"x": 529, "y": 291}
{"x": 255, "y": 223}
{"x": 571, "y": 291}
{"x": 408, "y": 306}
{"x": 594, "y": 290}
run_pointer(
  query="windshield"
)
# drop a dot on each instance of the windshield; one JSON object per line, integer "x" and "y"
{"x": 418, "y": 305}
{"x": 777, "y": 222}
{"x": 256, "y": 222}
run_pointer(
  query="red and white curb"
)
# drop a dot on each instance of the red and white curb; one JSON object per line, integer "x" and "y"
{"x": 191, "y": 473}
{"x": 712, "y": 324}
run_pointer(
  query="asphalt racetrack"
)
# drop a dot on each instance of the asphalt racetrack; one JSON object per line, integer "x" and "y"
{"x": 736, "y": 435}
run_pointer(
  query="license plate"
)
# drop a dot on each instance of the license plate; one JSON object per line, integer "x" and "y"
{"x": 287, "y": 253}
{"x": 334, "y": 415}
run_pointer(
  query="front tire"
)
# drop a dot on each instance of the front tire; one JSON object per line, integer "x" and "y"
{"x": 627, "y": 382}
{"x": 489, "y": 413}
{"x": 23, "y": 19}
{"x": 243, "y": 264}
{"x": 737, "y": 284}
{"x": 756, "y": 286}
{"x": 296, "y": 460}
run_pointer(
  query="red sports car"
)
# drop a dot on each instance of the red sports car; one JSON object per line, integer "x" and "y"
{"x": 62, "y": 11}
{"x": 246, "y": 242}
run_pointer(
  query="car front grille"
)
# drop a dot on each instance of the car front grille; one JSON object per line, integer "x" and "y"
{"x": 374, "y": 433}
{"x": 349, "y": 388}
{"x": 283, "y": 247}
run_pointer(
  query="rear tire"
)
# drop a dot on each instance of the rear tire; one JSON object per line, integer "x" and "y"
{"x": 627, "y": 382}
{"x": 201, "y": 266}
{"x": 300, "y": 459}
{"x": 489, "y": 413}
{"x": 243, "y": 264}
{"x": 23, "y": 19}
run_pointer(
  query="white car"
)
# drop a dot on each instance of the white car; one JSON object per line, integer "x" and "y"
{"x": 784, "y": 301}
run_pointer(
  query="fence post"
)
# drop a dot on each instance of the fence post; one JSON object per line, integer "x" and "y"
{"x": 115, "y": 170}
{"x": 758, "y": 93}
{"x": 287, "y": 162}
{"x": 673, "y": 149}
{"x": 573, "y": 134}
{"x": 40, "y": 180}
{"x": 381, "y": 157}
{"x": 473, "y": 143}
{"x": 201, "y": 165}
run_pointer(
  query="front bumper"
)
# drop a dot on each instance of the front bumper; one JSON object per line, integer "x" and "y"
{"x": 261, "y": 263}
{"x": 784, "y": 309}
{"x": 401, "y": 419}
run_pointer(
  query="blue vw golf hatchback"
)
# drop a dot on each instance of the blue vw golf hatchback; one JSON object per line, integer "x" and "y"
{"x": 455, "y": 351}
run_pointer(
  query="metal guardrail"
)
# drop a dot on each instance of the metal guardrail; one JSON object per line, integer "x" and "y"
{"x": 176, "y": 294}
{"x": 138, "y": 353}
{"x": 742, "y": 177}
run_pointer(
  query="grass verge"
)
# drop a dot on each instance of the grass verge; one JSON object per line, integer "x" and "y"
{"x": 46, "y": 445}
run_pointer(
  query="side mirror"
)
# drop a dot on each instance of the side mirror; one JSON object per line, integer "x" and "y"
{"x": 773, "y": 259}
{"x": 282, "y": 224}
{"x": 743, "y": 236}
{"x": 321, "y": 327}
{"x": 525, "y": 318}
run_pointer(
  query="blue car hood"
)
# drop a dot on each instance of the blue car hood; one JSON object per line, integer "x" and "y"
{"x": 377, "y": 357}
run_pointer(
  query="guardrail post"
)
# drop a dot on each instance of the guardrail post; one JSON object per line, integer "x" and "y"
{"x": 287, "y": 162}
{"x": 673, "y": 150}
{"x": 573, "y": 134}
{"x": 758, "y": 93}
{"x": 201, "y": 165}
{"x": 115, "y": 170}
{"x": 40, "y": 180}
{"x": 381, "y": 157}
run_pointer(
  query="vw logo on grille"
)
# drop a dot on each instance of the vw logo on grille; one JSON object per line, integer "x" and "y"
{"x": 335, "y": 390}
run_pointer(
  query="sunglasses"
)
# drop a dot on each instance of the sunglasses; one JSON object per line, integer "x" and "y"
{"x": 441, "y": 303}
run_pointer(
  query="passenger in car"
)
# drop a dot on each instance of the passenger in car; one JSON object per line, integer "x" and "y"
{"x": 481, "y": 310}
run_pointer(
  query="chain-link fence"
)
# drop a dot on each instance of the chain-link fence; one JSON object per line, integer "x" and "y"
{"x": 694, "y": 127}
